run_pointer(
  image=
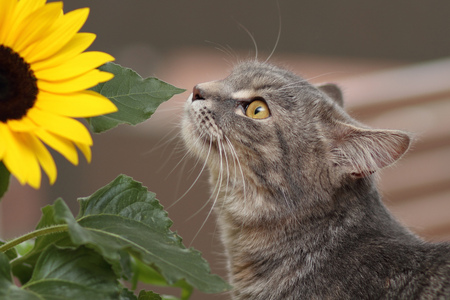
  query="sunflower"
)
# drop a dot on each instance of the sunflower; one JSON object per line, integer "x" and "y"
{"x": 44, "y": 77}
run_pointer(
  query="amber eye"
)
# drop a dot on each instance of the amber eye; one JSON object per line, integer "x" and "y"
{"x": 257, "y": 110}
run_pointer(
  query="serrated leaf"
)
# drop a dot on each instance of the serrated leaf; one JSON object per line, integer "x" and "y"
{"x": 119, "y": 220}
{"x": 124, "y": 216}
{"x": 127, "y": 295}
{"x": 135, "y": 97}
{"x": 148, "y": 295}
{"x": 54, "y": 215}
{"x": 73, "y": 274}
{"x": 4, "y": 179}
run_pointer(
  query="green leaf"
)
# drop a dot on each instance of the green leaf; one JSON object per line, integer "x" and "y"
{"x": 135, "y": 97}
{"x": 148, "y": 295}
{"x": 23, "y": 267}
{"x": 125, "y": 216}
{"x": 8, "y": 290}
{"x": 25, "y": 247}
{"x": 127, "y": 295}
{"x": 4, "y": 179}
{"x": 147, "y": 274}
{"x": 117, "y": 221}
{"x": 54, "y": 215}
{"x": 73, "y": 274}
{"x": 21, "y": 249}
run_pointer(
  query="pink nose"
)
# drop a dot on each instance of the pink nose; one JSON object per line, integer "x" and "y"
{"x": 197, "y": 94}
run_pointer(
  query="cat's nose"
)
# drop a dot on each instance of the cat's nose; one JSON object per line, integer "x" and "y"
{"x": 197, "y": 94}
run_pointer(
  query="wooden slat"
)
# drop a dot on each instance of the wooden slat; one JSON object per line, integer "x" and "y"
{"x": 428, "y": 216}
{"x": 397, "y": 87}
{"x": 418, "y": 174}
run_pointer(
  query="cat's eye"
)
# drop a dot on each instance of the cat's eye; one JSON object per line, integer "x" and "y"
{"x": 257, "y": 110}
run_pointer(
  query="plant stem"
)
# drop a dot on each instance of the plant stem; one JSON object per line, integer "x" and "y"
{"x": 39, "y": 232}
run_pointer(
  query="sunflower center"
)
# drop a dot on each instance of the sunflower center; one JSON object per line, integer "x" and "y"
{"x": 18, "y": 85}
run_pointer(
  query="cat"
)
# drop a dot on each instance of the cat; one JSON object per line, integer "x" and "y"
{"x": 294, "y": 182}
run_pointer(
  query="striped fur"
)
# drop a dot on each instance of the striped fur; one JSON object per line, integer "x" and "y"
{"x": 295, "y": 194}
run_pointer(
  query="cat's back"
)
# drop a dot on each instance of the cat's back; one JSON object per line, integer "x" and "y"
{"x": 391, "y": 269}
{"x": 431, "y": 279}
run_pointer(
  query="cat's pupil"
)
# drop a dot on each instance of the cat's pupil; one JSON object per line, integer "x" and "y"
{"x": 258, "y": 110}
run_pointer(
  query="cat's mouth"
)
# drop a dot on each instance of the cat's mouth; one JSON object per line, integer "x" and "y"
{"x": 203, "y": 119}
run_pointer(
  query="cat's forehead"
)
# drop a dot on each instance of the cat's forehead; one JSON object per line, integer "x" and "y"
{"x": 256, "y": 76}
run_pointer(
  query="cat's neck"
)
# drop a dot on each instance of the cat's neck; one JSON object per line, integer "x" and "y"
{"x": 245, "y": 203}
{"x": 356, "y": 210}
{"x": 305, "y": 237}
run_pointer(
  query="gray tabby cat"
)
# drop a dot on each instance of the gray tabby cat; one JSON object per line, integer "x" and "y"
{"x": 295, "y": 194}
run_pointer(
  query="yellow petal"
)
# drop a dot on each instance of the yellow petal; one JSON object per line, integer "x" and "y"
{"x": 33, "y": 169}
{"x": 26, "y": 7}
{"x": 86, "y": 150}
{"x": 44, "y": 157}
{"x": 60, "y": 144}
{"x": 6, "y": 16}
{"x": 23, "y": 9}
{"x": 79, "y": 43}
{"x": 37, "y": 25}
{"x": 20, "y": 159}
{"x": 77, "y": 66}
{"x": 78, "y": 105}
{"x": 62, "y": 32}
{"x": 66, "y": 127}
{"x": 23, "y": 125}
{"x": 15, "y": 167}
{"x": 85, "y": 81}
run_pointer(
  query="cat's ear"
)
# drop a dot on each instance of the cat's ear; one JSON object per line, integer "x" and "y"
{"x": 361, "y": 152}
{"x": 333, "y": 91}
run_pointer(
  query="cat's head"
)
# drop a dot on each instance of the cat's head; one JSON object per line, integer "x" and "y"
{"x": 275, "y": 136}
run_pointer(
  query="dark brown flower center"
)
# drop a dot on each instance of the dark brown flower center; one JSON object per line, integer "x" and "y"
{"x": 18, "y": 85}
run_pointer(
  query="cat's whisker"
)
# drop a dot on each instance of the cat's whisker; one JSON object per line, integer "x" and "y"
{"x": 228, "y": 169}
{"x": 296, "y": 83}
{"x": 234, "y": 158}
{"x": 184, "y": 156}
{"x": 233, "y": 150}
{"x": 279, "y": 33}
{"x": 234, "y": 56}
{"x": 180, "y": 177}
{"x": 228, "y": 178}
{"x": 164, "y": 141}
{"x": 183, "y": 159}
{"x": 324, "y": 74}
{"x": 197, "y": 178}
{"x": 227, "y": 50}
{"x": 251, "y": 37}
{"x": 168, "y": 157}
{"x": 218, "y": 186}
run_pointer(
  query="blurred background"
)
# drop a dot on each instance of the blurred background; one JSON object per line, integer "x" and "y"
{"x": 391, "y": 58}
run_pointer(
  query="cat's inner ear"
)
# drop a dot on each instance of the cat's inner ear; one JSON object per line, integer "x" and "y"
{"x": 361, "y": 152}
{"x": 333, "y": 91}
